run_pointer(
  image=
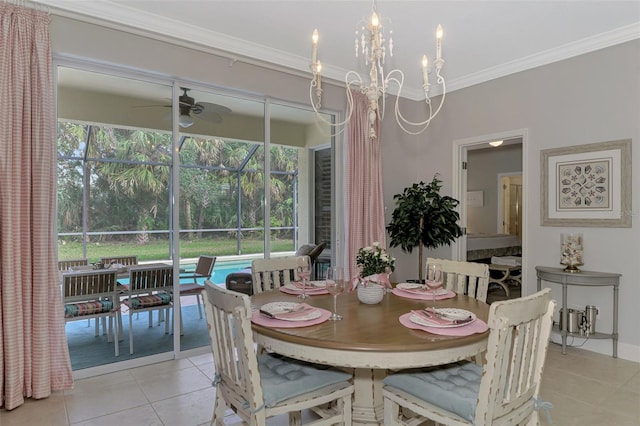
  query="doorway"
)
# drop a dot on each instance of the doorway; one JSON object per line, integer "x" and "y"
{"x": 463, "y": 185}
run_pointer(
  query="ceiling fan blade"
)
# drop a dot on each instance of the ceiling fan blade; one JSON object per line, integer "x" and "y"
{"x": 151, "y": 106}
{"x": 212, "y": 117}
{"x": 209, "y": 107}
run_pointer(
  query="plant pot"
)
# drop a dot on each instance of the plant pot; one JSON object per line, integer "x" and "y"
{"x": 370, "y": 292}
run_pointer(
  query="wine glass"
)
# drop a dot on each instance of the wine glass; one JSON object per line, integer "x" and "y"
{"x": 335, "y": 286}
{"x": 304, "y": 273}
{"x": 434, "y": 279}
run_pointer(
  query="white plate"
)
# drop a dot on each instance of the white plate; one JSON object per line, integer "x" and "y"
{"x": 420, "y": 289}
{"x": 409, "y": 286}
{"x": 275, "y": 308}
{"x": 454, "y": 313}
{"x": 311, "y": 286}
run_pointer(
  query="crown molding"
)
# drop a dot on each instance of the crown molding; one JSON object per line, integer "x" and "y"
{"x": 122, "y": 17}
{"x": 570, "y": 50}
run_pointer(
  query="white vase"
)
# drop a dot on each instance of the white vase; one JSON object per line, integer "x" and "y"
{"x": 370, "y": 292}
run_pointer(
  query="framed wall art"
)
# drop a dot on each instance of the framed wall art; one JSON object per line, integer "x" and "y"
{"x": 587, "y": 185}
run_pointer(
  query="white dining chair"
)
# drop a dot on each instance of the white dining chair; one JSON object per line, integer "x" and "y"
{"x": 503, "y": 390}
{"x": 470, "y": 278}
{"x": 277, "y": 272}
{"x": 259, "y": 387}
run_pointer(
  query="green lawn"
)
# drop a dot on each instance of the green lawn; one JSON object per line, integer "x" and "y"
{"x": 160, "y": 250}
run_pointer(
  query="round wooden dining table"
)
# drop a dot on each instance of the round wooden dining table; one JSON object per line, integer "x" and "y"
{"x": 370, "y": 340}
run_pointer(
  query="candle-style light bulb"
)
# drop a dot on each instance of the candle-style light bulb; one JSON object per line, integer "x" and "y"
{"x": 314, "y": 52}
{"x": 425, "y": 70}
{"x": 375, "y": 21}
{"x": 439, "y": 34}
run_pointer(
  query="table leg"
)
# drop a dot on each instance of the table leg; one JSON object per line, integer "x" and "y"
{"x": 565, "y": 319}
{"x": 368, "y": 407}
{"x": 614, "y": 335}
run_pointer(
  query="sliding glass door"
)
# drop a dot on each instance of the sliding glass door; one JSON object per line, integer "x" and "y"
{"x": 246, "y": 175}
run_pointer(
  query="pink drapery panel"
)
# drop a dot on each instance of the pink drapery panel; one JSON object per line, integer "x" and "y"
{"x": 34, "y": 359}
{"x": 364, "y": 190}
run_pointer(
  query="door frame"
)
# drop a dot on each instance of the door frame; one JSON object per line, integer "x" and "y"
{"x": 500, "y": 192}
{"x": 459, "y": 185}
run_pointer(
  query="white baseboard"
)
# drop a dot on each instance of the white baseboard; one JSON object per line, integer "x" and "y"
{"x": 601, "y": 346}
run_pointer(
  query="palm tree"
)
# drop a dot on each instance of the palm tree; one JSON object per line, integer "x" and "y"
{"x": 145, "y": 183}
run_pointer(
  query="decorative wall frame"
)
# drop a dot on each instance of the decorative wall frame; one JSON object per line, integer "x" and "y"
{"x": 587, "y": 185}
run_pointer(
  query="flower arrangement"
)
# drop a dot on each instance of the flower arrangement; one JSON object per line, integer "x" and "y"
{"x": 375, "y": 263}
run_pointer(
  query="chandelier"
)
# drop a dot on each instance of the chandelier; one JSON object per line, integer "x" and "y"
{"x": 373, "y": 45}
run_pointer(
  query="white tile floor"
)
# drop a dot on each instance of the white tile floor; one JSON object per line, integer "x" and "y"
{"x": 585, "y": 389}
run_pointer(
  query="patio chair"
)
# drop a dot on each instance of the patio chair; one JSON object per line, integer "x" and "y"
{"x": 242, "y": 282}
{"x": 149, "y": 289}
{"x": 504, "y": 390}
{"x": 259, "y": 387}
{"x": 274, "y": 273}
{"x": 92, "y": 294}
{"x": 468, "y": 278}
{"x": 203, "y": 271}
{"x": 64, "y": 265}
{"x": 122, "y": 260}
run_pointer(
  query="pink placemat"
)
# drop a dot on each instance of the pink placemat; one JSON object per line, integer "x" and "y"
{"x": 478, "y": 326}
{"x": 422, "y": 296}
{"x": 258, "y": 318}
{"x": 310, "y": 292}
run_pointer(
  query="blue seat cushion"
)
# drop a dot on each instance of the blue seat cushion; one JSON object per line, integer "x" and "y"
{"x": 283, "y": 378}
{"x": 453, "y": 387}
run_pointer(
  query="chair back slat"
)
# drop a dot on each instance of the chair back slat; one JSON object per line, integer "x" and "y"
{"x": 468, "y": 278}
{"x": 147, "y": 279}
{"x": 516, "y": 351}
{"x": 87, "y": 285}
{"x": 274, "y": 273}
{"x": 122, "y": 260}
{"x": 64, "y": 265}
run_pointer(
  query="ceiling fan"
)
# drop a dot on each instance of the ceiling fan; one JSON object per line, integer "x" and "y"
{"x": 203, "y": 110}
{"x": 189, "y": 108}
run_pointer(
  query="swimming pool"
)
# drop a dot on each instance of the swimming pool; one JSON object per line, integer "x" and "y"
{"x": 222, "y": 269}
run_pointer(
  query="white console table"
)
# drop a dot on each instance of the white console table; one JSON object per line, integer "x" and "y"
{"x": 588, "y": 279}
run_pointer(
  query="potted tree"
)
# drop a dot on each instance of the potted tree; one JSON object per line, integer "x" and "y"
{"x": 423, "y": 218}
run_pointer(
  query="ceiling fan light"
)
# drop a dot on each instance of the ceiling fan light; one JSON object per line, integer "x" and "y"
{"x": 185, "y": 120}
{"x": 495, "y": 143}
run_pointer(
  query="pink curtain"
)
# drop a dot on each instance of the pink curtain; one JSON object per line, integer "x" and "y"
{"x": 34, "y": 359}
{"x": 365, "y": 211}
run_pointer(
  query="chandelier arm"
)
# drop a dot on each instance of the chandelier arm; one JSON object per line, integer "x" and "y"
{"x": 383, "y": 91}
{"x": 400, "y": 119}
{"x": 342, "y": 124}
{"x": 319, "y": 117}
